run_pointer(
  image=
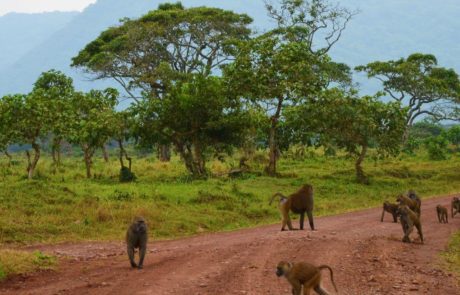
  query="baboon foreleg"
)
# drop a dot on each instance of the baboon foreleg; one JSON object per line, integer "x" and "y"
{"x": 383, "y": 214}
{"x": 131, "y": 256}
{"x": 302, "y": 220}
{"x": 395, "y": 217}
{"x": 439, "y": 217}
{"x": 142, "y": 251}
{"x": 407, "y": 233}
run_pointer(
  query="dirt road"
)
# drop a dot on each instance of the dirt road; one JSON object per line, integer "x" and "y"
{"x": 367, "y": 256}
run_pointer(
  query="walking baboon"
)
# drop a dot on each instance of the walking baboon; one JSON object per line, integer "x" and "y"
{"x": 136, "y": 237}
{"x": 304, "y": 275}
{"x": 442, "y": 214}
{"x": 390, "y": 208}
{"x": 409, "y": 219}
{"x": 299, "y": 203}
{"x": 455, "y": 206}
{"x": 413, "y": 204}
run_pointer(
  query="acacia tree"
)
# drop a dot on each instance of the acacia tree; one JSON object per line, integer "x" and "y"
{"x": 161, "y": 53}
{"x": 419, "y": 84}
{"x": 28, "y": 116}
{"x": 290, "y": 63}
{"x": 93, "y": 121}
{"x": 56, "y": 90}
{"x": 353, "y": 123}
{"x": 198, "y": 117}
{"x": 10, "y": 108}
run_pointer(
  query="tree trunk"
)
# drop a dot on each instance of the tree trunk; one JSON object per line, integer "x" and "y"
{"x": 164, "y": 152}
{"x": 105, "y": 153}
{"x": 10, "y": 158}
{"x": 87, "y": 157}
{"x": 193, "y": 159}
{"x": 122, "y": 154}
{"x": 272, "y": 144}
{"x": 32, "y": 164}
{"x": 56, "y": 152}
{"x": 360, "y": 176}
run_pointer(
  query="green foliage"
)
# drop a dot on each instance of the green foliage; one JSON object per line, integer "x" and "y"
{"x": 419, "y": 84}
{"x": 437, "y": 148}
{"x": 453, "y": 135}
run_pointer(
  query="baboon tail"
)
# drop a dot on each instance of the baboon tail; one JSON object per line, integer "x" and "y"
{"x": 280, "y": 195}
{"x": 324, "y": 266}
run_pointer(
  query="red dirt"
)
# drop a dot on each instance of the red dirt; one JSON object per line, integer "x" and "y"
{"x": 367, "y": 256}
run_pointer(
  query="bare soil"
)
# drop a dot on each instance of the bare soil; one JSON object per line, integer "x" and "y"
{"x": 367, "y": 256}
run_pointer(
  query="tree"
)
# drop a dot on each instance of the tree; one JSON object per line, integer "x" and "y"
{"x": 287, "y": 65}
{"x": 10, "y": 107}
{"x": 56, "y": 90}
{"x": 353, "y": 123}
{"x": 453, "y": 135}
{"x": 419, "y": 84}
{"x": 198, "y": 117}
{"x": 155, "y": 57}
{"x": 93, "y": 121}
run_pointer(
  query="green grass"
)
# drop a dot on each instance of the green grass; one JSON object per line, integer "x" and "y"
{"x": 452, "y": 255}
{"x": 65, "y": 206}
{"x": 13, "y": 262}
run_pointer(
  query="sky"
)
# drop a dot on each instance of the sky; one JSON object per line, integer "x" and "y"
{"x": 31, "y": 6}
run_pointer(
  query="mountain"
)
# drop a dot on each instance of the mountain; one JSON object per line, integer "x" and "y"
{"x": 21, "y": 32}
{"x": 382, "y": 30}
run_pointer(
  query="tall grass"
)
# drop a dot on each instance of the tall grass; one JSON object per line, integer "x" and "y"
{"x": 63, "y": 205}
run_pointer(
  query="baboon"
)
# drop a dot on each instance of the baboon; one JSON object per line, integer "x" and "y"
{"x": 413, "y": 204}
{"x": 455, "y": 206}
{"x": 442, "y": 214}
{"x": 304, "y": 275}
{"x": 390, "y": 208}
{"x": 409, "y": 219}
{"x": 299, "y": 203}
{"x": 136, "y": 237}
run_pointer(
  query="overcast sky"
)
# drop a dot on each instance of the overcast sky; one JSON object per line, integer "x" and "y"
{"x": 30, "y": 6}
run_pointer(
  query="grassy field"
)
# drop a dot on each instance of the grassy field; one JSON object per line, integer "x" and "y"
{"x": 65, "y": 206}
{"x": 452, "y": 255}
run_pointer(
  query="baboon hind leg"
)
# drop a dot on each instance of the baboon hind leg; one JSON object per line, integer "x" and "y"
{"x": 131, "y": 256}
{"x": 310, "y": 219}
{"x": 302, "y": 220}
{"x": 395, "y": 217}
{"x": 320, "y": 290}
{"x": 419, "y": 230}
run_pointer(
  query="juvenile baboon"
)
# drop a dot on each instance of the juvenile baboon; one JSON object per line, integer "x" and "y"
{"x": 136, "y": 237}
{"x": 390, "y": 208}
{"x": 455, "y": 206}
{"x": 304, "y": 275}
{"x": 413, "y": 204}
{"x": 299, "y": 203}
{"x": 409, "y": 219}
{"x": 442, "y": 214}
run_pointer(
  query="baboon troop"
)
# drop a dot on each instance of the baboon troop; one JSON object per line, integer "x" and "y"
{"x": 304, "y": 275}
{"x": 455, "y": 206}
{"x": 300, "y": 202}
{"x": 409, "y": 219}
{"x": 442, "y": 214}
{"x": 390, "y": 208}
{"x": 136, "y": 238}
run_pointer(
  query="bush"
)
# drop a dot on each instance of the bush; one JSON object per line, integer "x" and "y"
{"x": 126, "y": 175}
{"x": 437, "y": 148}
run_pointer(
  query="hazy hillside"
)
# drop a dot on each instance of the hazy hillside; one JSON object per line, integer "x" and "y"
{"x": 382, "y": 30}
{"x": 21, "y": 32}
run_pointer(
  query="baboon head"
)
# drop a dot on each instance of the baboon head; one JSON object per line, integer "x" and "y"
{"x": 283, "y": 268}
{"x": 140, "y": 226}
